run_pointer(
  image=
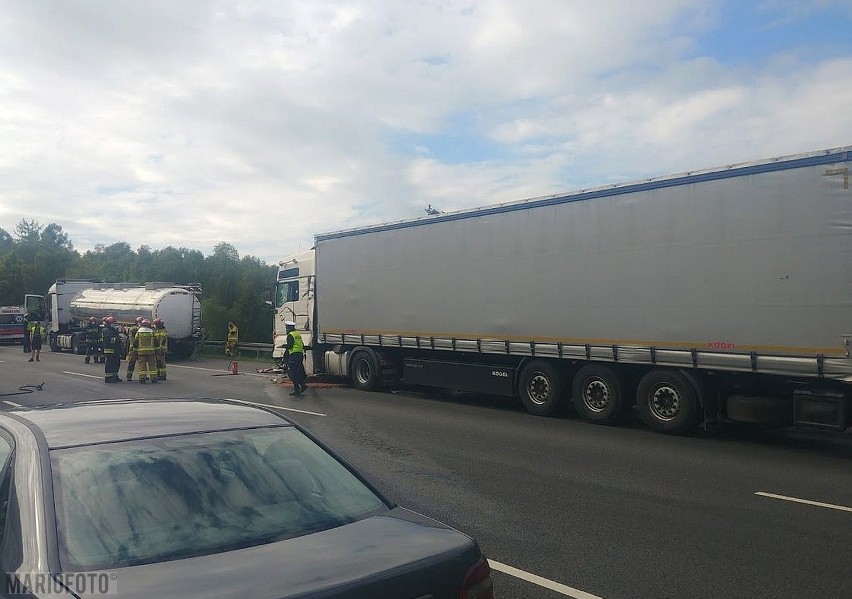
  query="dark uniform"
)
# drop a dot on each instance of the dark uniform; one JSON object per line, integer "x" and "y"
{"x": 93, "y": 339}
{"x": 295, "y": 352}
{"x": 161, "y": 342}
{"x": 111, "y": 343}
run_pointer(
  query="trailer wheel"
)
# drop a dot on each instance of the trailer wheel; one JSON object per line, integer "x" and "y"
{"x": 667, "y": 402}
{"x": 541, "y": 386}
{"x": 598, "y": 394}
{"x": 364, "y": 371}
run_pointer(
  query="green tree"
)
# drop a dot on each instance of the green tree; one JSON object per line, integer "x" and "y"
{"x": 233, "y": 288}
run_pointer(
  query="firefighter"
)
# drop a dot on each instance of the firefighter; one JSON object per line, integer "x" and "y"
{"x": 233, "y": 338}
{"x": 100, "y": 354}
{"x": 111, "y": 344}
{"x": 161, "y": 342}
{"x": 144, "y": 344}
{"x": 132, "y": 355}
{"x": 93, "y": 338}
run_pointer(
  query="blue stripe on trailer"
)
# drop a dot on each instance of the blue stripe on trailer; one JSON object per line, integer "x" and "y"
{"x": 778, "y": 164}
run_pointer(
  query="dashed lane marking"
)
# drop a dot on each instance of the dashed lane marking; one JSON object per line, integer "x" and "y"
{"x": 12, "y": 403}
{"x": 542, "y": 582}
{"x": 830, "y": 506}
{"x": 91, "y": 376}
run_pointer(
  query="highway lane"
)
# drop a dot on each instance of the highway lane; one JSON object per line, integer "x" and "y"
{"x": 613, "y": 512}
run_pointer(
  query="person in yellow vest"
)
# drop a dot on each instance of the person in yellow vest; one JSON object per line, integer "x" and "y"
{"x": 233, "y": 338}
{"x": 132, "y": 356}
{"x": 295, "y": 354}
{"x": 37, "y": 334}
{"x": 145, "y": 346}
{"x": 161, "y": 342}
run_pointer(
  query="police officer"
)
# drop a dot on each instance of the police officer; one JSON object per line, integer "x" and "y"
{"x": 295, "y": 354}
{"x": 37, "y": 334}
{"x": 161, "y": 342}
{"x": 143, "y": 343}
{"x": 93, "y": 337}
{"x": 111, "y": 344}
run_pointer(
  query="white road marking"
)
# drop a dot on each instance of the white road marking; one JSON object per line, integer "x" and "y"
{"x": 266, "y": 405}
{"x": 831, "y": 506}
{"x": 12, "y": 403}
{"x": 220, "y": 370}
{"x": 91, "y": 376}
{"x": 542, "y": 582}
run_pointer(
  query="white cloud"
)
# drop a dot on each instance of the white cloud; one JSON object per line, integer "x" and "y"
{"x": 262, "y": 123}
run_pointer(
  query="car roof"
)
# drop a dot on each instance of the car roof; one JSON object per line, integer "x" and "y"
{"x": 88, "y": 423}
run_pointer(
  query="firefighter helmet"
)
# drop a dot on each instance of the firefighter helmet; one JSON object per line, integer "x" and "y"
{"x": 146, "y": 322}
{"x": 92, "y": 319}
{"x": 109, "y": 320}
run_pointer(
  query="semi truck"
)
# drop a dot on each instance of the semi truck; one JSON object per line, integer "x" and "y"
{"x": 722, "y": 294}
{"x": 71, "y": 302}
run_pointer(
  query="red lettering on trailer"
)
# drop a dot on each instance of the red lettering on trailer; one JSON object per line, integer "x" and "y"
{"x": 721, "y": 345}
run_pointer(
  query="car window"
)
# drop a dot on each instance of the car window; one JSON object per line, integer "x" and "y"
{"x": 150, "y": 500}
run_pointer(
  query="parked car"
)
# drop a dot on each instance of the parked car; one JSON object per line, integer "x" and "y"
{"x": 186, "y": 498}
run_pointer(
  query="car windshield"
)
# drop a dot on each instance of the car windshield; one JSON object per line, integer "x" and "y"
{"x": 151, "y": 500}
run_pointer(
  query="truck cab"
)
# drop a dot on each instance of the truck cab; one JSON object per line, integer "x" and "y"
{"x": 294, "y": 299}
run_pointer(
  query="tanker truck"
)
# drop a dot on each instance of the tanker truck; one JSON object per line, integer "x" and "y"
{"x": 71, "y": 302}
{"x": 716, "y": 295}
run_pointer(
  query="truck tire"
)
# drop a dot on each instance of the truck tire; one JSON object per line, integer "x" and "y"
{"x": 52, "y": 342}
{"x": 364, "y": 371}
{"x": 76, "y": 348}
{"x": 598, "y": 394}
{"x": 540, "y": 387}
{"x": 667, "y": 402}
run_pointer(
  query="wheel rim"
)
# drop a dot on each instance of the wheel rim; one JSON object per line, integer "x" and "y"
{"x": 538, "y": 389}
{"x": 596, "y": 396}
{"x": 362, "y": 371}
{"x": 665, "y": 403}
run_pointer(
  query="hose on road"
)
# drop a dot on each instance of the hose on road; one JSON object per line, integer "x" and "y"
{"x": 24, "y": 389}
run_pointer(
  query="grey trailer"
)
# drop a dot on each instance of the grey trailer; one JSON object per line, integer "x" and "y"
{"x": 721, "y": 293}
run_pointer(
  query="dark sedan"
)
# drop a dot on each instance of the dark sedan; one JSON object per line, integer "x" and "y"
{"x": 207, "y": 499}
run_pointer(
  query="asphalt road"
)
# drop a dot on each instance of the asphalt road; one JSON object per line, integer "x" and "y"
{"x": 613, "y": 512}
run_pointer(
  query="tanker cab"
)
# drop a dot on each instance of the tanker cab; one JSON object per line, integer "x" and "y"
{"x": 36, "y": 307}
{"x": 294, "y": 299}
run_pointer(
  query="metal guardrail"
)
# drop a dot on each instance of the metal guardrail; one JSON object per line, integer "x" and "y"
{"x": 258, "y": 348}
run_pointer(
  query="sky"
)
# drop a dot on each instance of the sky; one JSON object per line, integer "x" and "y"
{"x": 263, "y": 123}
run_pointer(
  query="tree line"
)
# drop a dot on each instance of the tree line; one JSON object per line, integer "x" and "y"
{"x": 233, "y": 288}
